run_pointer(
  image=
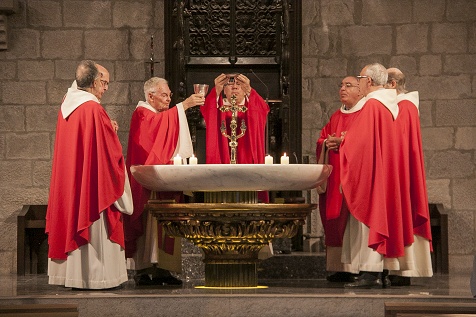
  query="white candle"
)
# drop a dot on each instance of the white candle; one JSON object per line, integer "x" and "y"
{"x": 268, "y": 159}
{"x": 284, "y": 159}
{"x": 177, "y": 160}
{"x": 193, "y": 160}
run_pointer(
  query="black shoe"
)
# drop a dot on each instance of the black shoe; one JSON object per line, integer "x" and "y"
{"x": 400, "y": 280}
{"x": 342, "y": 277}
{"x": 365, "y": 281}
{"x": 386, "y": 282}
{"x": 167, "y": 280}
{"x": 144, "y": 280}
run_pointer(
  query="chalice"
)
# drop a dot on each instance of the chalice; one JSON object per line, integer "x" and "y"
{"x": 200, "y": 89}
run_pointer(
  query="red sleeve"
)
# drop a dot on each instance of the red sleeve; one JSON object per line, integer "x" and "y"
{"x": 216, "y": 150}
{"x": 257, "y": 115}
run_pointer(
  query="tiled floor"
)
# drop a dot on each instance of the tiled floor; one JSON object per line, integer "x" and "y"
{"x": 285, "y": 297}
{"x": 12, "y": 286}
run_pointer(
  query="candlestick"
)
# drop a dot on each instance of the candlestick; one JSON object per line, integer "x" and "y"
{"x": 284, "y": 159}
{"x": 177, "y": 160}
{"x": 268, "y": 159}
{"x": 193, "y": 160}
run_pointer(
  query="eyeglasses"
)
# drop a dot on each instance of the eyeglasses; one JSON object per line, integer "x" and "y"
{"x": 361, "y": 76}
{"x": 346, "y": 85}
{"x": 104, "y": 83}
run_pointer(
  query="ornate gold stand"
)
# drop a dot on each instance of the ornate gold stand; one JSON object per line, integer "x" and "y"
{"x": 234, "y": 109}
{"x": 231, "y": 233}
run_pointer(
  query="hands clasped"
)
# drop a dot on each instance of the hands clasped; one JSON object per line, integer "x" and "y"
{"x": 333, "y": 142}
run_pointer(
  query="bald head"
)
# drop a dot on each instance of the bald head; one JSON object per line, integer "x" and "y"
{"x": 86, "y": 73}
{"x": 396, "y": 80}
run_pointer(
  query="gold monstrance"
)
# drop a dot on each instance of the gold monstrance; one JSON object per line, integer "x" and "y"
{"x": 233, "y": 125}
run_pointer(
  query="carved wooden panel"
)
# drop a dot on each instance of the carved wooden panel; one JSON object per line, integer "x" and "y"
{"x": 240, "y": 27}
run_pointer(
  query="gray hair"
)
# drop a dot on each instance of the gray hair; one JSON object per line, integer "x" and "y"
{"x": 378, "y": 73}
{"x": 86, "y": 74}
{"x": 151, "y": 85}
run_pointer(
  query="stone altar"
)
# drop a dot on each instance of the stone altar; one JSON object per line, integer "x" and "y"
{"x": 230, "y": 227}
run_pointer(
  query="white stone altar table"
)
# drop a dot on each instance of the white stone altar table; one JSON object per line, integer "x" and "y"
{"x": 230, "y": 226}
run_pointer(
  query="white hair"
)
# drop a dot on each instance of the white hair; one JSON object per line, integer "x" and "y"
{"x": 378, "y": 73}
{"x": 151, "y": 85}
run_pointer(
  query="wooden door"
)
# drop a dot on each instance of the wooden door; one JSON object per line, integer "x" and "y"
{"x": 259, "y": 38}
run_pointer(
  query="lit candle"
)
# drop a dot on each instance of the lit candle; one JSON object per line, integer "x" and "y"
{"x": 284, "y": 159}
{"x": 193, "y": 160}
{"x": 177, "y": 160}
{"x": 268, "y": 159}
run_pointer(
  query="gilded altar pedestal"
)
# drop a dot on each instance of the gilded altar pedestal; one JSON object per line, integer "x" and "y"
{"x": 230, "y": 227}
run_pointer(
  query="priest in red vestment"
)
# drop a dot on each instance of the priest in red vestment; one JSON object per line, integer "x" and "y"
{"x": 157, "y": 134}
{"x": 88, "y": 191}
{"x": 414, "y": 198}
{"x": 370, "y": 182}
{"x": 251, "y": 147}
{"x": 332, "y": 208}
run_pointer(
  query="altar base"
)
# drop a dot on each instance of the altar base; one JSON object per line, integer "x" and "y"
{"x": 230, "y": 234}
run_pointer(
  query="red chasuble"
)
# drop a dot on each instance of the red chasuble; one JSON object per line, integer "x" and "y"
{"x": 333, "y": 217}
{"x": 415, "y": 212}
{"x": 152, "y": 141}
{"x": 88, "y": 176}
{"x": 370, "y": 180}
{"x": 251, "y": 147}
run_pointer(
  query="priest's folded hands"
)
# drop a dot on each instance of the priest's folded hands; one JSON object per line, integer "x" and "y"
{"x": 333, "y": 142}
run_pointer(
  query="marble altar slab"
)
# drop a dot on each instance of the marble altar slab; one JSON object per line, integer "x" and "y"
{"x": 231, "y": 177}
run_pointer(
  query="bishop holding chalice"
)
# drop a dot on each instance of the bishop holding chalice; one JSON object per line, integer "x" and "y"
{"x": 230, "y": 103}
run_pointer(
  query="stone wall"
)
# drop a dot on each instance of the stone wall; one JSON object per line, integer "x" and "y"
{"x": 47, "y": 39}
{"x": 432, "y": 41}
